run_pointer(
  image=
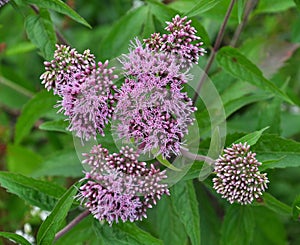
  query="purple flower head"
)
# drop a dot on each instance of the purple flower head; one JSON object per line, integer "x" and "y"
{"x": 155, "y": 117}
{"x": 141, "y": 61}
{"x": 66, "y": 64}
{"x": 181, "y": 40}
{"x": 238, "y": 178}
{"x": 3, "y": 2}
{"x": 118, "y": 186}
{"x": 87, "y": 99}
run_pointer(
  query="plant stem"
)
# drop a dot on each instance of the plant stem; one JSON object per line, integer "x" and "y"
{"x": 196, "y": 156}
{"x": 249, "y": 7}
{"x": 214, "y": 50}
{"x": 69, "y": 226}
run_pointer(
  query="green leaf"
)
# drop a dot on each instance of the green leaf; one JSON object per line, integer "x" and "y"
{"x": 270, "y": 115}
{"x": 19, "y": 48}
{"x": 36, "y": 192}
{"x": 296, "y": 208}
{"x": 285, "y": 151}
{"x": 124, "y": 233}
{"x": 239, "y": 66}
{"x": 15, "y": 237}
{"x": 82, "y": 233}
{"x": 251, "y": 138}
{"x": 33, "y": 110}
{"x": 62, "y": 163}
{"x": 58, "y": 126}
{"x": 22, "y": 160}
{"x": 166, "y": 163}
{"x": 201, "y": 7}
{"x": 54, "y": 221}
{"x": 162, "y": 12}
{"x": 201, "y": 32}
{"x": 210, "y": 222}
{"x": 128, "y": 27}
{"x": 60, "y": 7}
{"x": 269, "y": 229}
{"x": 169, "y": 227}
{"x": 275, "y": 205}
{"x": 185, "y": 205}
{"x": 238, "y": 226}
{"x": 40, "y": 31}
{"x": 236, "y": 104}
{"x": 266, "y": 6}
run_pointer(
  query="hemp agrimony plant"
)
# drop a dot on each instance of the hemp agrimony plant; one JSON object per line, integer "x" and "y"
{"x": 163, "y": 122}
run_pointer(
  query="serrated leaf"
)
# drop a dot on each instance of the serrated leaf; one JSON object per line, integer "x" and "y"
{"x": 185, "y": 205}
{"x": 36, "y": 192}
{"x": 285, "y": 151}
{"x": 62, "y": 163}
{"x": 124, "y": 233}
{"x": 201, "y": 7}
{"x": 40, "y": 31}
{"x": 60, "y": 7}
{"x": 251, "y": 138}
{"x": 53, "y": 222}
{"x": 58, "y": 126}
{"x": 38, "y": 106}
{"x": 15, "y": 237}
{"x": 239, "y": 66}
{"x": 275, "y": 205}
{"x": 238, "y": 226}
{"x": 128, "y": 27}
{"x": 296, "y": 208}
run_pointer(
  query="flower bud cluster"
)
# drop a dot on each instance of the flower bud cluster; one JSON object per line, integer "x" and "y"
{"x": 237, "y": 176}
{"x": 181, "y": 40}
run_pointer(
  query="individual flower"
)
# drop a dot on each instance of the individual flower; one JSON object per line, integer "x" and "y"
{"x": 87, "y": 99}
{"x": 66, "y": 64}
{"x": 118, "y": 186}
{"x": 155, "y": 117}
{"x": 237, "y": 176}
{"x": 181, "y": 40}
{"x": 3, "y": 2}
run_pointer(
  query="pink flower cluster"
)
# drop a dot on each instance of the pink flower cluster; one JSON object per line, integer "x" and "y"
{"x": 118, "y": 186}
{"x": 86, "y": 90}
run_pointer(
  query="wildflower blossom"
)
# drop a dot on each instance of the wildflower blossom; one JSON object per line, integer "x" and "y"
{"x": 118, "y": 186}
{"x": 66, "y": 64}
{"x": 142, "y": 60}
{"x": 3, "y": 2}
{"x": 155, "y": 117}
{"x": 88, "y": 101}
{"x": 181, "y": 40}
{"x": 238, "y": 178}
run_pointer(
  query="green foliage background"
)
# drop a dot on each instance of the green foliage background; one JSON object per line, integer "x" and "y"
{"x": 259, "y": 84}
